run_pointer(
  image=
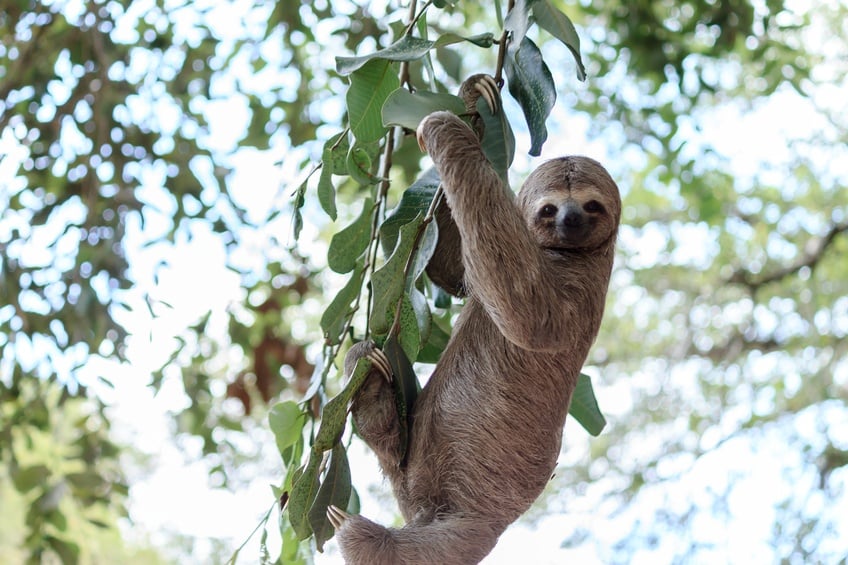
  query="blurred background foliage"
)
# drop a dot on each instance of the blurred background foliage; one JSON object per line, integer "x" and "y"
{"x": 126, "y": 131}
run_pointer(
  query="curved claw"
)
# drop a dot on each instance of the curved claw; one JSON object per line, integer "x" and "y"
{"x": 337, "y": 516}
{"x": 381, "y": 363}
{"x": 488, "y": 89}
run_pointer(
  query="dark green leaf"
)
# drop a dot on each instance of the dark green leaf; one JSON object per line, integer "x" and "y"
{"x": 481, "y": 40}
{"x": 415, "y": 200}
{"x": 334, "y": 414}
{"x": 407, "y": 109}
{"x": 406, "y": 387}
{"x": 559, "y": 25}
{"x": 303, "y": 492}
{"x": 584, "y": 406}
{"x": 498, "y": 140}
{"x": 335, "y": 489}
{"x": 531, "y": 84}
{"x": 436, "y": 343}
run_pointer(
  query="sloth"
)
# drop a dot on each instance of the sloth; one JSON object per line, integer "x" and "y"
{"x": 486, "y": 429}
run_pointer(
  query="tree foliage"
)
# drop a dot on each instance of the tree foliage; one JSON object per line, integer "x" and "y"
{"x": 726, "y": 321}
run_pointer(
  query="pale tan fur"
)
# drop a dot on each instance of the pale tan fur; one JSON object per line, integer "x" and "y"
{"x": 488, "y": 425}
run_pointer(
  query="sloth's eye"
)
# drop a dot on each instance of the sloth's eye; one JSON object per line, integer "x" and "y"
{"x": 548, "y": 211}
{"x": 593, "y": 207}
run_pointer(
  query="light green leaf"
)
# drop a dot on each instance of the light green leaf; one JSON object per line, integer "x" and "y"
{"x": 407, "y": 109}
{"x": 531, "y": 84}
{"x": 485, "y": 40}
{"x": 359, "y": 166}
{"x": 347, "y": 245}
{"x": 326, "y": 190}
{"x": 584, "y": 406}
{"x": 407, "y": 48}
{"x": 286, "y": 420}
{"x": 518, "y": 22}
{"x": 559, "y": 25}
{"x": 369, "y": 88}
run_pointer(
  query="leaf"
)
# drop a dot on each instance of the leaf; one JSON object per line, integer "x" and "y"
{"x": 559, "y": 25}
{"x": 409, "y": 334}
{"x": 498, "y": 141}
{"x": 303, "y": 493}
{"x": 388, "y": 282}
{"x": 485, "y": 40}
{"x": 334, "y": 414}
{"x": 423, "y": 319}
{"x": 297, "y": 216}
{"x": 369, "y": 88}
{"x": 407, "y": 48}
{"x": 286, "y": 420}
{"x": 531, "y": 84}
{"x": 407, "y": 109}
{"x": 584, "y": 406}
{"x": 334, "y": 319}
{"x": 436, "y": 342}
{"x": 335, "y": 489}
{"x": 326, "y": 190}
{"x": 415, "y": 200}
{"x": 518, "y": 22}
{"x": 359, "y": 166}
{"x": 348, "y": 244}
{"x": 406, "y": 388}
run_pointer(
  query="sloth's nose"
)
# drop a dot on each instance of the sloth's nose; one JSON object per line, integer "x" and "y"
{"x": 570, "y": 215}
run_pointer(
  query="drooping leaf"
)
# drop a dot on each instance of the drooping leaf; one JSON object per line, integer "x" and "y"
{"x": 584, "y": 406}
{"x": 348, "y": 244}
{"x": 303, "y": 492}
{"x": 334, "y": 414}
{"x": 407, "y": 48}
{"x": 335, "y": 316}
{"x": 498, "y": 140}
{"x": 370, "y": 85}
{"x": 406, "y": 387}
{"x": 359, "y": 166}
{"x": 407, "y": 109}
{"x": 559, "y": 25}
{"x": 531, "y": 84}
{"x": 326, "y": 190}
{"x": 335, "y": 489}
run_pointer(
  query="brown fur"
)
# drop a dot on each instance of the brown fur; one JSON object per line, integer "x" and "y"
{"x": 488, "y": 425}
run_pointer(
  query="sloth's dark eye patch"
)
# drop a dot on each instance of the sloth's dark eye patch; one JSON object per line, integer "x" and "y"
{"x": 548, "y": 211}
{"x": 593, "y": 207}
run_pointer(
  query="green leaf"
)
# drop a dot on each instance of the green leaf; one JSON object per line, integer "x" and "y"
{"x": 559, "y": 25}
{"x": 531, "y": 84}
{"x": 584, "y": 406}
{"x": 406, "y": 387}
{"x": 415, "y": 200}
{"x": 498, "y": 141}
{"x": 286, "y": 420}
{"x": 409, "y": 334}
{"x": 407, "y": 48}
{"x": 326, "y": 190}
{"x": 485, "y": 40}
{"x": 369, "y": 88}
{"x": 335, "y": 489}
{"x": 423, "y": 320}
{"x": 334, "y": 319}
{"x": 334, "y": 414}
{"x": 388, "y": 282}
{"x": 359, "y": 166}
{"x": 435, "y": 344}
{"x": 407, "y": 109}
{"x": 297, "y": 216}
{"x": 303, "y": 492}
{"x": 349, "y": 243}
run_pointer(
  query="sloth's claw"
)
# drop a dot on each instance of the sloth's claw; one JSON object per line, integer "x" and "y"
{"x": 381, "y": 363}
{"x": 337, "y": 516}
{"x": 488, "y": 89}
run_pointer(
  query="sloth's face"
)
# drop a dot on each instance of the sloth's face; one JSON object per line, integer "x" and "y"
{"x": 571, "y": 203}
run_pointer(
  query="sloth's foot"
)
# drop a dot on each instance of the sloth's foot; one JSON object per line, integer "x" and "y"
{"x": 486, "y": 87}
{"x": 380, "y": 362}
{"x": 337, "y": 516}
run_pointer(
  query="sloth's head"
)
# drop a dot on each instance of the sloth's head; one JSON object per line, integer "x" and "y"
{"x": 571, "y": 203}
